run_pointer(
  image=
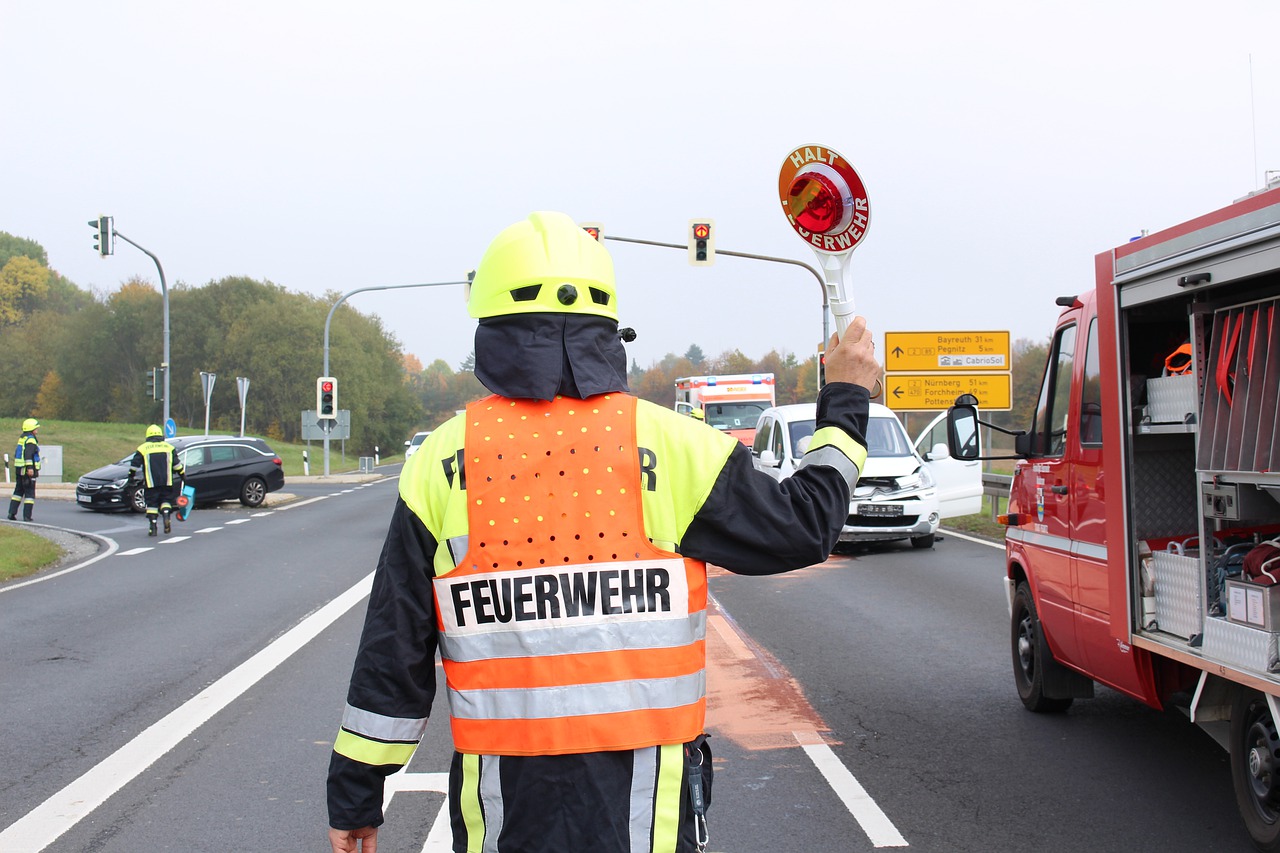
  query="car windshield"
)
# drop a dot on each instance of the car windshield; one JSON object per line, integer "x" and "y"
{"x": 733, "y": 415}
{"x": 885, "y": 437}
{"x": 418, "y": 439}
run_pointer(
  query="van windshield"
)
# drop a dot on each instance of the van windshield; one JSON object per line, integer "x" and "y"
{"x": 734, "y": 415}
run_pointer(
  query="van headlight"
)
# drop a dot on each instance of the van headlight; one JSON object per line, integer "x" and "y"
{"x": 918, "y": 479}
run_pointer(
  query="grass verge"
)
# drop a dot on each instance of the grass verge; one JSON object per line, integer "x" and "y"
{"x": 978, "y": 525}
{"x": 23, "y": 553}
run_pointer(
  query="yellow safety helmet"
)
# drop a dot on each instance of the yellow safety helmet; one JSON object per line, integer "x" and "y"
{"x": 30, "y": 425}
{"x": 154, "y": 431}
{"x": 542, "y": 264}
{"x": 698, "y": 414}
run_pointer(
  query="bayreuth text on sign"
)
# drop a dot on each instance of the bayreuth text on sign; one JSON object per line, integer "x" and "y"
{"x": 912, "y": 392}
{"x": 934, "y": 351}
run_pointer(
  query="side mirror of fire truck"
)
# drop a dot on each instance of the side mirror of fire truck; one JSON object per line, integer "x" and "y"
{"x": 964, "y": 440}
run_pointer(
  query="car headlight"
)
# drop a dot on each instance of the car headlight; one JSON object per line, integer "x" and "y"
{"x": 918, "y": 479}
{"x": 119, "y": 484}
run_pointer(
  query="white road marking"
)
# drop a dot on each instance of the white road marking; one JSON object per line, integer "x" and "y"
{"x": 262, "y": 514}
{"x": 304, "y": 503}
{"x": 874, "y": 822}
{"x": 44, "y": 824}
{"x": 174, "y": 539}
{"x": 133, "y": 551}
{"x": 206, "y": 530}
{"x": 239, "y": 521}
{"x": 440, "y": 838}
{"x": 973, "y": 539}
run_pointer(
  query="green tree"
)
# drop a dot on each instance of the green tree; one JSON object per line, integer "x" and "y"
{"x": 695, "y": 356}
{"x": 11, "y": 246}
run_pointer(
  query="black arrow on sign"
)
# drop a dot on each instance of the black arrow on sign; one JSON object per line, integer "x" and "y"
{"x": 897, "y": 391}
{"x": 897, "y": 351}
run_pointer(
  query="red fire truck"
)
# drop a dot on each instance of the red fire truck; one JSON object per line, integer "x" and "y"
{"x": 1143, "y": 531}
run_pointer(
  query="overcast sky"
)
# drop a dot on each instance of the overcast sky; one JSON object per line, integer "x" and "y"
{"x": 333, "y": 146}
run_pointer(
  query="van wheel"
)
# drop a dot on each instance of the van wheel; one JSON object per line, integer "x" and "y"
{"x": 253, "y": 492}
{"x": 922, "y": 541}
{"x": 1255, "y": 768}
{"x": 1031, "y": 655}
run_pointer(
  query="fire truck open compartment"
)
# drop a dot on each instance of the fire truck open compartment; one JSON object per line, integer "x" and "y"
{"x": 1203, "y": 452}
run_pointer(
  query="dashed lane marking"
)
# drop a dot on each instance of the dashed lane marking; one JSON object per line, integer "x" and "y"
{"x": 173, "y": 540}
{"x": 206, "y": 530}
{"x": 132, "y": 551}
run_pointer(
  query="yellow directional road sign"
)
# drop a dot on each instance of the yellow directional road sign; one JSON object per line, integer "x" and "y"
{"x": 934, "y": 351}
{"x": 914, "y": 392}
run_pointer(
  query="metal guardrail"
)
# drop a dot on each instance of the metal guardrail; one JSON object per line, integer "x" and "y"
{"x": 996, "y": 486}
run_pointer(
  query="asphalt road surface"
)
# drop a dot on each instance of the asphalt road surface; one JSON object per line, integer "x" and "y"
{"x": 182, "y": 694}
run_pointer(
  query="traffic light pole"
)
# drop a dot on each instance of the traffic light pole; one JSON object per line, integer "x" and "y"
{"x": 822, "y": 284}
{"x": 164, "y": 292}
{"x": 328, "y": 320}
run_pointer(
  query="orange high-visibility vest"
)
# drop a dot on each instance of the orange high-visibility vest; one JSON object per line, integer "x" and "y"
{"x": 563, "y": 629}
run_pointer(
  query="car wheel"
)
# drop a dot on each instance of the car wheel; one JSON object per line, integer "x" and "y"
{"x": 1031, "y": 655}
{"x": 1255, "y": 771}
{"x": 922, "y": 541}
{"x": 253, "y": 492}
{"x": 136, "y": 498}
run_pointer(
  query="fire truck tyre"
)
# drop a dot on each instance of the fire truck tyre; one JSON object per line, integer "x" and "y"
{"x": 1031, "y": 655}
{"x": 1255, "y": 768}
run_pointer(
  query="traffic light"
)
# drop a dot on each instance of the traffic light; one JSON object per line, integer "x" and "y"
{"x": 104, "y": 228}
{"x": 702, "y": 242}
{"x": 326, "y": 399}
{"x": 151, "y": 382}
{"x": 595, "y": 230}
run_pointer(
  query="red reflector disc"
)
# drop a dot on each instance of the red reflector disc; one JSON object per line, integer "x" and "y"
{"x": 815, "y": 203}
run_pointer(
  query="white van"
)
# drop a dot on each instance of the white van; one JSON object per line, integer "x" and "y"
{"x": 904, "y": 490}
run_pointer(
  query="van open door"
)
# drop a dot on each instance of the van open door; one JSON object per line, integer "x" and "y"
{"x": 959, "y": 480}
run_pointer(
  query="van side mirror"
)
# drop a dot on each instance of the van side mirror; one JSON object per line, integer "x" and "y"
{"x": 768, "y": 460}
{"x": 938, "y": 452}
{"x": 962, "y": 431}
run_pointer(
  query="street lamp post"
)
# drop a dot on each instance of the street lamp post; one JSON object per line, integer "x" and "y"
{"x": 826, "y": 320}
{"x": 329, "y": 319}
{"x": 164, "y": 292}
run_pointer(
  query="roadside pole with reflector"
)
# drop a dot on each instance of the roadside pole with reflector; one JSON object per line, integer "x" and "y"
{"x": 825, "y": 201}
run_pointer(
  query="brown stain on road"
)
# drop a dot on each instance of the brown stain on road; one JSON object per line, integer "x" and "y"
{"x": 751, "y": 698}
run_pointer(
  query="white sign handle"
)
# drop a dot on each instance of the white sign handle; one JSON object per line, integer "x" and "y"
{"x": 836, "y": 271}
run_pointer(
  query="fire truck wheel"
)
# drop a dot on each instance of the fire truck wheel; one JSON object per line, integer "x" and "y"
{"x": 1255, "y": 768}
{"x": 1031, "y": 655}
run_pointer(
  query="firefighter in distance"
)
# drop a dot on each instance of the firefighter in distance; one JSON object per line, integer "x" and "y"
{"x": 162, "y": 473}
{"x": 26, "y": 468}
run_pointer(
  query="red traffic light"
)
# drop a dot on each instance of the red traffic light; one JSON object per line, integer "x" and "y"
{"x": 326, "y": 386}
{"x": 592, "y": 231}
{"x": 816, "y": 203}
{"x": 701, "y": 230}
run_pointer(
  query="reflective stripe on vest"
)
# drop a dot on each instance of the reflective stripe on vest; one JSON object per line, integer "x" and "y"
{"x": 563, "y": 629}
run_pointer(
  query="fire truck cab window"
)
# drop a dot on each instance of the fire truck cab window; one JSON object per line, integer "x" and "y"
{"x": 1091, "y": 391}
{"x": 1049, "y": 433}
